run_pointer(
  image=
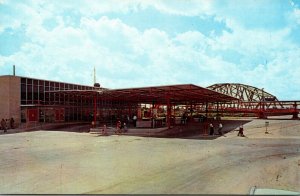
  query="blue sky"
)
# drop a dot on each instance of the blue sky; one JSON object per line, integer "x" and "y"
{"x": 134, "y": 43}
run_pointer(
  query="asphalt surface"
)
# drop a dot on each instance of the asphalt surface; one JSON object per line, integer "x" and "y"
{"x": 62, "y": 162}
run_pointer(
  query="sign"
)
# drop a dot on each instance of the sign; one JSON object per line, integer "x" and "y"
{"x": 266, "y": 125}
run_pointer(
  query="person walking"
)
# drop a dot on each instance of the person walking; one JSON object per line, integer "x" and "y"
{"x": 118, "y": 127}
{"x": 220, "y": 129}
{"x": 12, "y": 123}
{"x": 3, "y": 125}
{"x": 134, "y": 120}
{"x": 211, "y": 129}
{"x": 104, "y": 130}
{"x": 125, "y": 127}
{"x": 241, "y": 131}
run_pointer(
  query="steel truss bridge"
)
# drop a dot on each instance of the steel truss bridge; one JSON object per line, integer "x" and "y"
{"x": 252, "y": 101}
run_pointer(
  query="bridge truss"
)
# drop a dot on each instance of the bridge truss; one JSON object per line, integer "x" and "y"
{"x": 252, "y": 101}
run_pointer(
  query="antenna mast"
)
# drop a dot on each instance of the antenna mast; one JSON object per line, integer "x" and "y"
{"x": 96, "y": 85}
{"x": 94, "y": 75}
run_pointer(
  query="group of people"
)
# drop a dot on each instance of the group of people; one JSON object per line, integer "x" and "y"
{"x": 104, "y": 130}
{"x": 220, "y": 132}
{"x": 212, "y": 130}
{"x": 121, "y": 127}
{"x": 6, "y": 125}
{"x": 125, "y": 119}
{"x": 241, "y": 131}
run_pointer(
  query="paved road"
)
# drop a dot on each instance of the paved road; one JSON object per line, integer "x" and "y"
{"x": 67, "y": 162}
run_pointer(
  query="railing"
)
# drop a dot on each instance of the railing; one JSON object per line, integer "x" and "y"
{"x": 267, "y": 108}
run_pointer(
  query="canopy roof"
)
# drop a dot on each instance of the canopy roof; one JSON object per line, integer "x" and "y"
{"x": 178, "y": 94}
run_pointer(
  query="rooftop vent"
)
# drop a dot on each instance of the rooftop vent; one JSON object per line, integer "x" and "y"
{"x": 97, "y": 85}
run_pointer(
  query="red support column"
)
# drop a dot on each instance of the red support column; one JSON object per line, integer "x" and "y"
{"x": 168, "y": 112}
{"x": 206, "y": 109}
{"x": 152, "y": 116}
{"x": 130, "y": 115}
{"x": 95, "y": 110}
{"x": 295, "y": 112}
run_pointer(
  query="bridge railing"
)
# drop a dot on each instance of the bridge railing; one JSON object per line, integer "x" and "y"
{"x": 267, "y": 107}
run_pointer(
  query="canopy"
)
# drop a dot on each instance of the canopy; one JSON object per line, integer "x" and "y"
{"x": 175, "y": 94}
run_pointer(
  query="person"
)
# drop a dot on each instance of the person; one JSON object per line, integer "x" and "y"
{"x": 12, "y": 123}
{"x": 3, "y": 125}
{"x": 125, "y": 128}
{"x": 184, "y": 118}
{"x": 104, "y": 130}
{"x": 220, "y": 129}
{"x": 211, "y": 129}
{"x": 118, "y": 128}
{"x": 128, "y": 120}
{"x": 241, "y": 131}
{"x": 121, "y": 126}
{"x": 134, "y": 120}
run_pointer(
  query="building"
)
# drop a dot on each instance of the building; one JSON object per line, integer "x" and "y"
{"x": 34, "y": 100}
{"x": 30, "y": 100}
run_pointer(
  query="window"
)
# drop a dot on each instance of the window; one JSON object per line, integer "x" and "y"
{"x": 23, "y": 80}
{"x": 41, "y": 83}
{"x": 29, "y": 94}
{"x": 56, "y": 86}
{"x": 35, "y": 82}
{"x": 23, "y": 94}
{"x": 62, "y": 86}
{"x": 47, "y": 97}
{"x": 36, "y": 94}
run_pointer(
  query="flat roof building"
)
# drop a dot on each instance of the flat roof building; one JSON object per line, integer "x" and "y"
{"x": 28, "y": 99}
{"x": 36, "y": 100}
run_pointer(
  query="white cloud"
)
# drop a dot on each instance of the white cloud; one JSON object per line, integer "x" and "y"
{"x": 103, "y": 6}
{"x": 90, "y": 8}
{"x": 280, "y": 77}
{"x": 195, "y": 40}
{"x": 250, "y": 41}
{"x": 177, "y": 7}
{"x": 128, "y": 57}
{"x": 296, "y": 14}
{"x": 154, "y": 42}
{"x": 31, "y": 12}
{"x": 111, "y": 33}
{"x": 69, "y": 53}
{"x": 183, "y": 7}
